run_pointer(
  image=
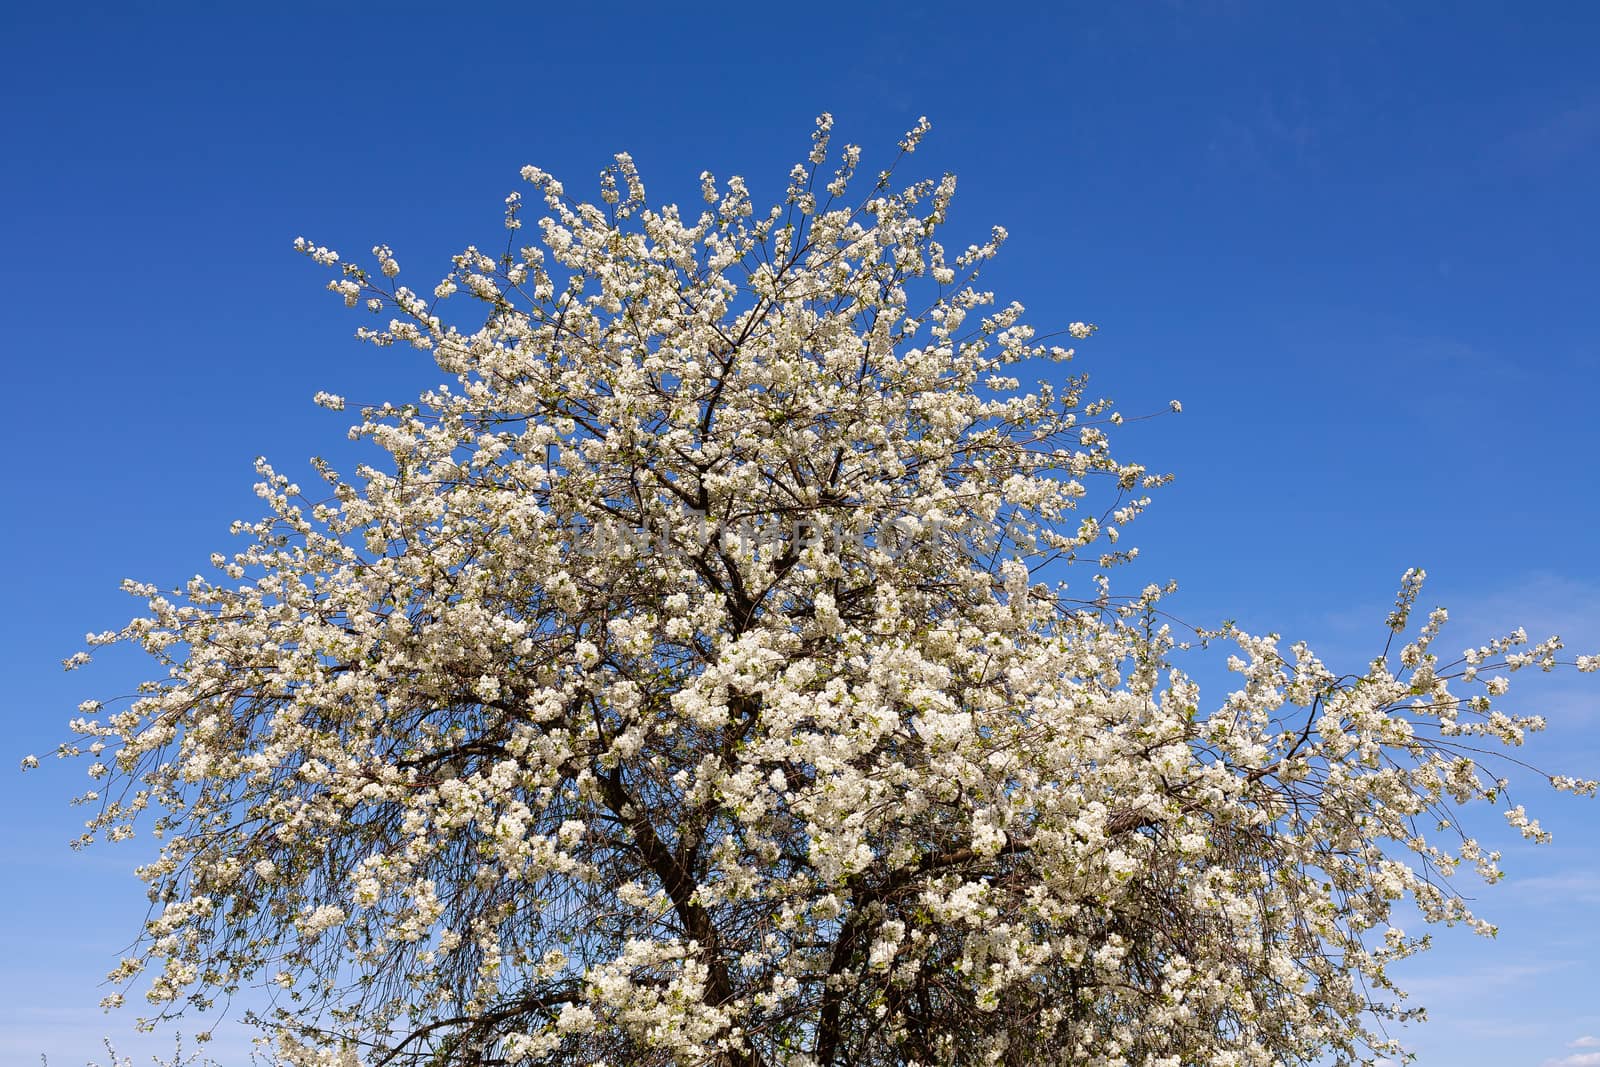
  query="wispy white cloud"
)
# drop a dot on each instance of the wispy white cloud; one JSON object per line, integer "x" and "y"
{"x": 1438, "y": 991}
{"x": 1499, "y": 1027}
{"x": 1271, "y": 141}
{"x": 1550, "y": 140}
{"x": 1543, "y": 603}
{"x": 1583, "y": 886}
{"x": 1586, "y": 1041}
{"x": 1577, "y": 1059}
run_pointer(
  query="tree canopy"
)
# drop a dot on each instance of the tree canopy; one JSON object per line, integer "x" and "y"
{"x": 692, "y": 681}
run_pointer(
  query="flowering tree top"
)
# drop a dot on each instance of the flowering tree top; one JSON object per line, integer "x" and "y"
{"x": 683, "y": 687}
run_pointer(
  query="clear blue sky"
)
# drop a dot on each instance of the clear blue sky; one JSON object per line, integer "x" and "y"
{"x": 1357, "y": 240}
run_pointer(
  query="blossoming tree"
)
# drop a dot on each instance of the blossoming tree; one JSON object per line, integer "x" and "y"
{"x": 683, "y": 687}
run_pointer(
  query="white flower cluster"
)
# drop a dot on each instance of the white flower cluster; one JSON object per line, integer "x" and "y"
{"x": 468, "y": 791}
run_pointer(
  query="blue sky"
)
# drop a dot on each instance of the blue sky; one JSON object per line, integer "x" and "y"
{"x": 1357, "y": 241}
